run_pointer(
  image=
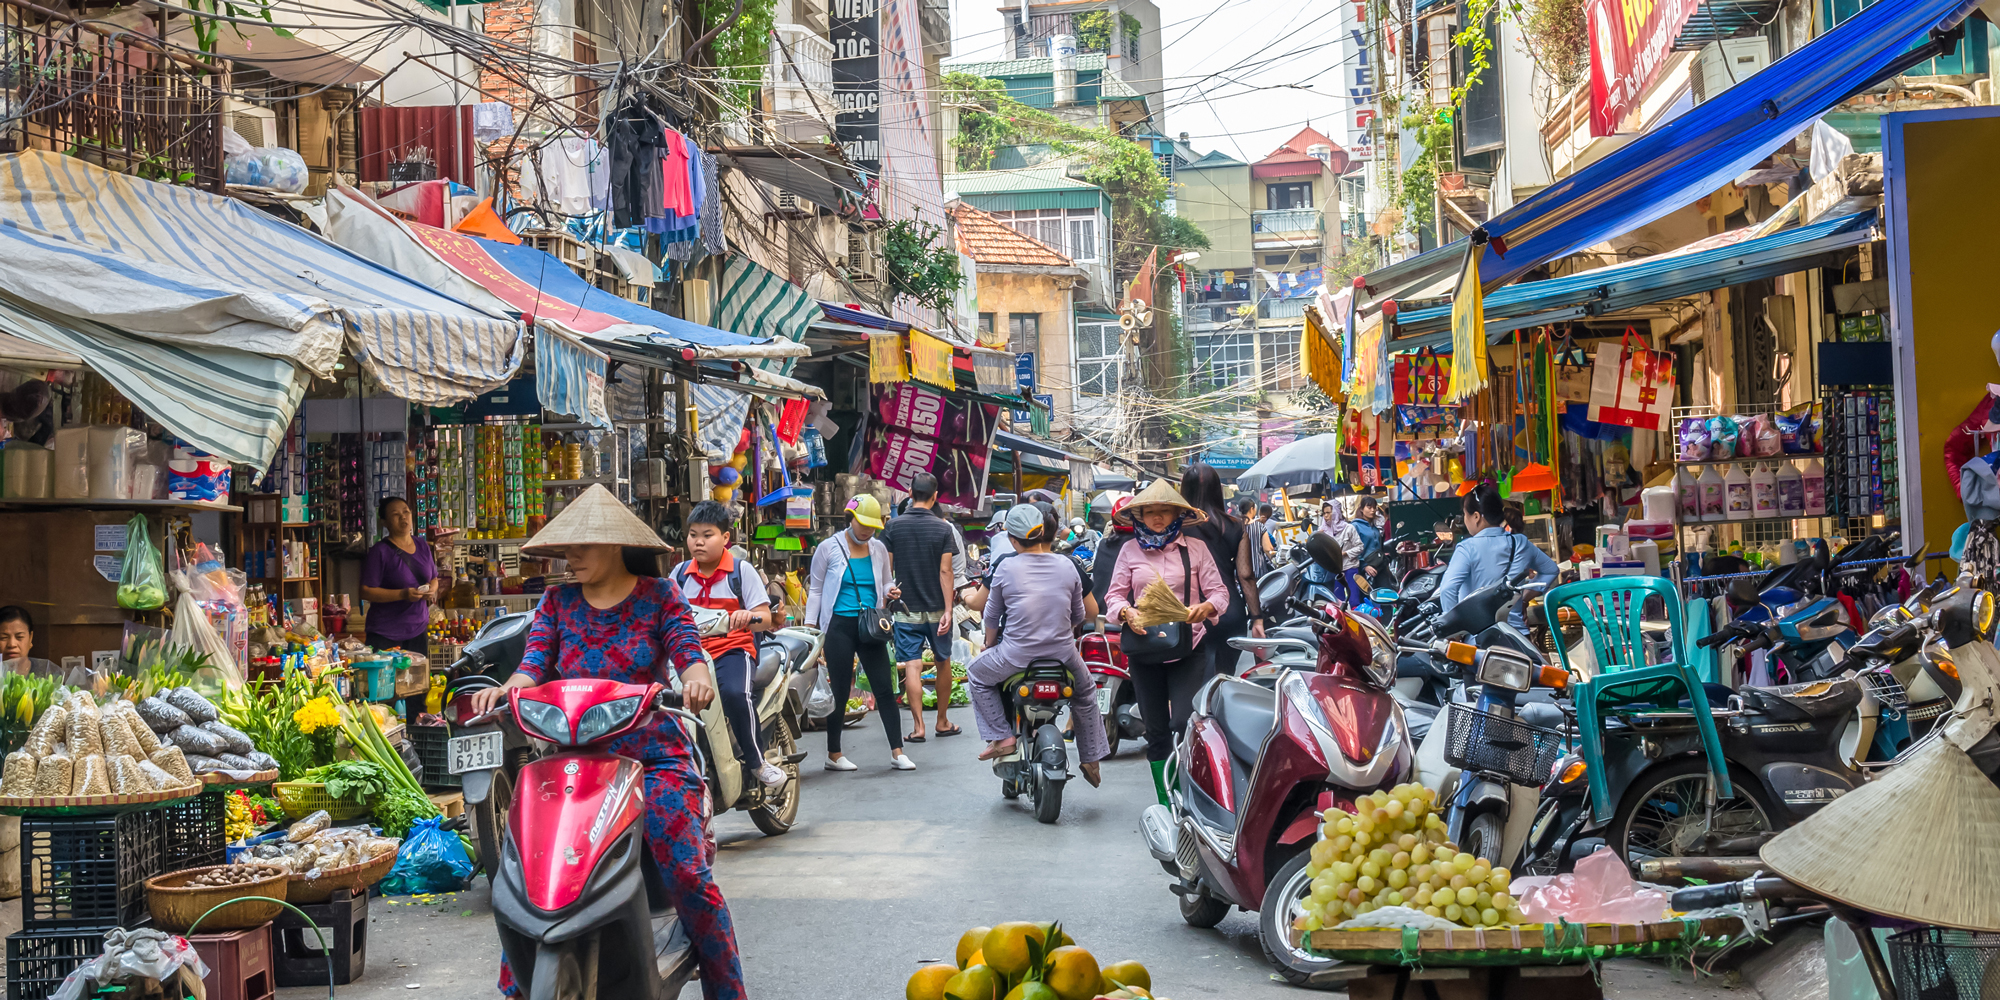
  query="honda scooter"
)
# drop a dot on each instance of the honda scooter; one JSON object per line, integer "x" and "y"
{"x": 1258, "y": 765}
{"x": 1039, "y": 762}
{"x": 486, "y": 756}
{"x": 580, "y": 909}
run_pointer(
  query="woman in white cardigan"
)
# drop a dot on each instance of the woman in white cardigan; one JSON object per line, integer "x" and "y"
{"x": 850, "y": 576}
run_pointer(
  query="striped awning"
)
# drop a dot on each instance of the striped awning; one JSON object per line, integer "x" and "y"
{"x": 757, "y": 302}
{"x": 179, "y": 266}
{"x": 223, "y": 401}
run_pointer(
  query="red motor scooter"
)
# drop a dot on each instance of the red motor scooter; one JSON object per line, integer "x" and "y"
{"x": 580, "y": 909}
{"x": 1116, "y": 700}
{"x": 1257, "y": 766}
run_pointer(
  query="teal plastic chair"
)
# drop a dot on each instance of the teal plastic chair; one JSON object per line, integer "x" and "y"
{"x": 1612, "y": 610}
{"x": 1706, "y": 663}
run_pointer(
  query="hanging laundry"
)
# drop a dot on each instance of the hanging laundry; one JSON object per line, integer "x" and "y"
{"x": 567, "y": 166}
{"x": 712, "y": 239}
{"x": 679, "y": 192}
{"x": 492, "y": 120}
{"x": 636, "y": 181}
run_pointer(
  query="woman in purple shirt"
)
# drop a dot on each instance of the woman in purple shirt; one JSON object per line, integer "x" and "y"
{"x": 397, "y": 578}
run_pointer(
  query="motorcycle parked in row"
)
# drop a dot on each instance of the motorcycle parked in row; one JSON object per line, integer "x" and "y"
{"x": 1117, "y": 700}
{"x": 1258, "y": 765}
{"x": 1785, "y": 611}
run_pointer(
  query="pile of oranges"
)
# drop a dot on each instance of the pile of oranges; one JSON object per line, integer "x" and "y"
{"x": 1022, "y": 960}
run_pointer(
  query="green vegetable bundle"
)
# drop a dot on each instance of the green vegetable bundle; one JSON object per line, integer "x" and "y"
{"x": 402, "y": 800}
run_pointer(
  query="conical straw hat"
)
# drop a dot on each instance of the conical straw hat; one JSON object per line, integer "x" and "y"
{"x": 1917, "y": 844}
{"x": 595, "y": 518}
{"x": 1161, "y": 492}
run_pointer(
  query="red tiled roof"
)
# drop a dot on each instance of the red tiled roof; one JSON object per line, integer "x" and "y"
{"x": 1295, "y": 147}
{"x": 989, "y": 241}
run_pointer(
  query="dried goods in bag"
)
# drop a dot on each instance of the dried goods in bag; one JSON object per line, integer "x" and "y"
{"x": 142, "y": 733}
{"x": 306, "y": 828}
{"x": 49, "y": 729}
{"x": 237, "y": 762}
{"x": 126, "y": 778}
{"x": 196, "y": 706}
{"x": 53, "y": 775}
{"x": 84, "y": 736}
{"x": 204, "y": 765}
{"x": 159, "y": 776}
{"x": 162, "y": 716}
{"x": 264, "y": 761}
{"x": 199, "y": 741}
{"x": 18, "y": 779}
{"x": 233, "y": 740}
{"x": 92, "y": 776}
{"x": 118, "y": 739}
{"x": 174, "y": 763}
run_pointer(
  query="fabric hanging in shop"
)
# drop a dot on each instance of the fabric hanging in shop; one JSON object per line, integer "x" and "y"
{"x": 995, "y": 372}
{"x": 1468, "y": 336}
{"x": 569, "y": 376}
{"x": 190, "y": 268}
{"x": 758, "y": 302}
{"x": 1688, "y": 157}
{"x": 230, "y": 403}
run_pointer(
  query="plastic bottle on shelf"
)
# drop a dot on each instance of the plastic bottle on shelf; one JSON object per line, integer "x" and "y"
{"x": 1714, "y": 495}
{"x": 1736, "y": 490}
{"x": 1763, "y": 491}
{"x": 1791, "y": 491}
{"x": 1813, "y": 489}
{"x": 1688, "y": 491}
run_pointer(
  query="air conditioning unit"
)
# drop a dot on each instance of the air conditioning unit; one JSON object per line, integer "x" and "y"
{"x": 859, "y": 260}
{"x": 791, "y": 206}
{"x": 258, "y": 125}
{"x": 1725, "y": 64}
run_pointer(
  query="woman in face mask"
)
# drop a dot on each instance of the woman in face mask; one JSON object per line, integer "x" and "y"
{"x": 1159, "y": 551}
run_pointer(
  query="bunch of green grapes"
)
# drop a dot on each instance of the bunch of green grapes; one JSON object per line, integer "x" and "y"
{"x": 1391, "y": 851}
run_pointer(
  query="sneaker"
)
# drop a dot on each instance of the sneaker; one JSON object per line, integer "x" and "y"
{"x": 841, "y": 764}
{"x": 772, "y": 775}
{"x": 902, "y": 763}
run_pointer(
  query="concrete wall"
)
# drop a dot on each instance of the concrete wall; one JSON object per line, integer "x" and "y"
{"x": 1001, "y": 293}
{"x": 1218, "y": 200}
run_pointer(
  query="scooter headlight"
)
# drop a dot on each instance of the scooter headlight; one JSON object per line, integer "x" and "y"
{"x": 1505, "y": 668}
{"x": 544, "y": 720}
{"x": 600, "y": 719}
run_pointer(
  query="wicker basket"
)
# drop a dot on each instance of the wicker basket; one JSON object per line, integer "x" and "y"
{"x": 303, "y": 798}
{"x": 353, "y": 877}
{"x": 175, "y": 905}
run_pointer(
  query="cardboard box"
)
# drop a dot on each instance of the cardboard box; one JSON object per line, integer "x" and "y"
{"x": 57, "y": 564}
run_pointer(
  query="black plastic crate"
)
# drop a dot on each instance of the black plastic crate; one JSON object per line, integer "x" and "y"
{"x": 429, "y": 742}
{"x": 299, "y": 953}
{"x": 193, "y": 831}
{"x": 37, "y": 963}
{"x": 89, "y": 873}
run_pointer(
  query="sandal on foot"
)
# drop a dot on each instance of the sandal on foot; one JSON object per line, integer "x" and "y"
{"x": 943, "y": 731}
{"x": 994, "y": 752}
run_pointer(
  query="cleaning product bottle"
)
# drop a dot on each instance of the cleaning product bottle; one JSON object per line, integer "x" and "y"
{"x": 1763, "y": 491}
{"x": 1714, "y": 497}
{"x": 1688, "y": 489}
{"x": 1736, "y": 490}
{"x": 1813, "y": 484}
{"x": 1791, "y": 491}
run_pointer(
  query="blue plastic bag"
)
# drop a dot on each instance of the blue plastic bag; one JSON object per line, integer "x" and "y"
{"x": 430, "y": 860}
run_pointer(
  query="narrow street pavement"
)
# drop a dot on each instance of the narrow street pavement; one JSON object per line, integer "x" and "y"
{"x": 886, "y": 869}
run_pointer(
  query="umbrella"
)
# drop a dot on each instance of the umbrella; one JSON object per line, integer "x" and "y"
{"x": 1103, "y": 501}
{"x": 1307, "y": 461}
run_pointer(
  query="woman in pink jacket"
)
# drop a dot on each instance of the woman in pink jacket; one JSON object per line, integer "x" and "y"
{"x": 1158, "y": 551}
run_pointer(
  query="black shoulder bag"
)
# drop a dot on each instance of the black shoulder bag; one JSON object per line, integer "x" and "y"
{"x": 873, "y": 623}
{"x": 1167, "y": 641}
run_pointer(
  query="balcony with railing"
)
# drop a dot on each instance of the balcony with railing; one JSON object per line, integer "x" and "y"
{"x": 1295, "y": 227}
{"x": 112, "y": 97}
{"x": 800, "y": 79}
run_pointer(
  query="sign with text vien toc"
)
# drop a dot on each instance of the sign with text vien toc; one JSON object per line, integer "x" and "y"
{"x": 855, "y": 29}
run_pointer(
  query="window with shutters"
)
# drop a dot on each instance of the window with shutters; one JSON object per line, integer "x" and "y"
{"x": 1024, "y": 332}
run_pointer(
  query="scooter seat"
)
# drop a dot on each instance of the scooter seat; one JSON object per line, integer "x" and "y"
{"x": 1539, "y": 713}
{"x": 1804, "y": 702}
{"x": 770, "y": 661}
{"x": 797, "y": 647}
{"x": 1303, "y": 632}
{"x": 1246, "y": 712}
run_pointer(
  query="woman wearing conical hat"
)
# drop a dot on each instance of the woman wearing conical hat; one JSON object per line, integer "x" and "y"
{"x": 613, "y": 625}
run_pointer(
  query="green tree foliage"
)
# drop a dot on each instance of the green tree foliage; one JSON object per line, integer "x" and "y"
{"x": 920, "y": 266}
{"x": 1093, "y": 30}
{"x": 742, "y": 49}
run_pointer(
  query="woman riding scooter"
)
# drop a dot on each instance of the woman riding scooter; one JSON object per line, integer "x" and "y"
{"x": 611, "y": 624}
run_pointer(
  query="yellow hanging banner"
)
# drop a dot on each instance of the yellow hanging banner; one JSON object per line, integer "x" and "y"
{"x": 887, "y": 358}
{"x": 931, "y": 359}
{"x": 1468, "y": 333}
{"x": 1320, "y": 359}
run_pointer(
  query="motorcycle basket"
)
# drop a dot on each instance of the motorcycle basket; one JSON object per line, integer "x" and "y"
{"x": 1945, "y": 964}
{"x": 1887, "y": 690}
{"x": 1484, "y": 742}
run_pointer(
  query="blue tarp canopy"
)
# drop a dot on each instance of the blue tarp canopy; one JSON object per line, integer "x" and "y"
{"x": 1685, "y": 159}
{"x": 1653, "y": 279}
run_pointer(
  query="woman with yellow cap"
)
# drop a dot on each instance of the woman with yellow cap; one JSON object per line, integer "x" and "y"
{"x": 851, "y": 577}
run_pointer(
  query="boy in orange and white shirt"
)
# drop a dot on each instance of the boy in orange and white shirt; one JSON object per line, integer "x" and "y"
{"x": 715, "y": 578}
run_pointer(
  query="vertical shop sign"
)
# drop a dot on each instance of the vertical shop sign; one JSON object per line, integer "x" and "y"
{"x": 1024, "y": 379}
{"x": 1630, "y": 41}
{"x": 1361, "y": 85}
{"x": 855, "y": 29}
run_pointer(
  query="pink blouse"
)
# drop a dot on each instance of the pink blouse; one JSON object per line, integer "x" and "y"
{"x": 1137, "y": 568}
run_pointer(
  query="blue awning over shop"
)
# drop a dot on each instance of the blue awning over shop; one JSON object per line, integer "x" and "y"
{"x": 1685, "y": 159}
{"x": 1006, "y": 441}
{"x": 863, "y": 317}
{"x": 1654, "y": 279}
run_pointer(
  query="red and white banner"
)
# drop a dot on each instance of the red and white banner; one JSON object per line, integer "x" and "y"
{"x": 1630, "y": 41}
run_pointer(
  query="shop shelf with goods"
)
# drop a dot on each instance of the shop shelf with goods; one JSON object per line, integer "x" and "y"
{"x": 281, "y": 549}
{"x": 1746, "y": 478}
